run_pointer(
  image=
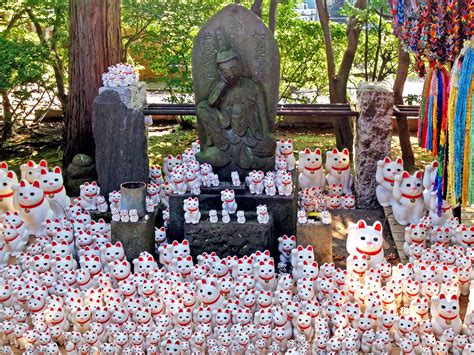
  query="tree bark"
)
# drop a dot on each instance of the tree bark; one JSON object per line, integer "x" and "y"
{"x": 7, "y": 118}
{"x": 272, "y": 15}
{"x": 402, "y": 122}
{"x": 94, "y": 45}
{"x": 257, "y": 8}
{"x": 338, "y": 82}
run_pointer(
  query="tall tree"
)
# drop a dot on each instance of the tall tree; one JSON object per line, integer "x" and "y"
{"x": 94, "y": 44}
{"x": 338, "y": 78}
{"x": 402, "y": 122}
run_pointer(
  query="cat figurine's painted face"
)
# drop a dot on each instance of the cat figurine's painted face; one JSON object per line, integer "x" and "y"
{"x": 411, "y": 185}
{"x": 29, "y": 194}
{"x": 364, "y": 239}
{"x": 89, "y": 189}
{"x": 336, "y": 159}
{"x": 155, "y": 172}
{"x": 172, "y": 162}
{"x": 191, "y": 204}
{"x": 51, "y": 181}
{"x": 448, "y": 306}
{"x": 392, "y": 168}
{"x": 286, "y": 147}
{"x": 30, "y": 171}
{"x": 311, "y": 160}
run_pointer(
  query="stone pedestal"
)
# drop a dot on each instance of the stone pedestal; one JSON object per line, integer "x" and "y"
{"x": 320, "y": 237}
{"x": 373, "y": 139}
{"x": 282, "y": 208}
{"x": 229, "y": 239}
{"x": 120, "y": 136}
{"x": 135, "y": 237}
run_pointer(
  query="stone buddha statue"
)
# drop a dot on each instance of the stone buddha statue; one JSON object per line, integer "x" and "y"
{"x": 233, "y": 120}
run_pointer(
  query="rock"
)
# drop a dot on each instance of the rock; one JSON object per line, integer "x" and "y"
{"x": 372, "y": 141}
{"x": 82, "y": 160}
{"x": 120, "y": 134}
{"x": 229, "y": 239}
{"x": 133, "y": 96}
{"x": 76, "y": 171}
{"x": 236, "y": 114}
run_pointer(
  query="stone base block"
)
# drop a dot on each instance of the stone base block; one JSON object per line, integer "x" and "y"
{"x": 229, "y": 239}
{"x": 282, "y": 208}
{"x": 135, "y": 237}
{"x": 320, "y": 237}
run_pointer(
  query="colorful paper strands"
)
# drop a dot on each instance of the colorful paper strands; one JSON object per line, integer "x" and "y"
{"x": 446, "y": 124}
{"x": 433, "y": 30}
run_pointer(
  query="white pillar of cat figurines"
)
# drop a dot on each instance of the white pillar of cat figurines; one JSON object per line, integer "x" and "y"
{"x": 191, "y": 210}
{"x": 429, "y": 178}
{"x": 366, "y": 240}
{"x": 338, "y": 169}
{"x": 285, "y": 148}
{"x": 7, "y": 180}
{"x": 407, "y": 203}
{"x": 33, "y": 206}
{"x": 445, "y": 213}
{"x": 385, "y": 177}
{"x": 310, "y": 169}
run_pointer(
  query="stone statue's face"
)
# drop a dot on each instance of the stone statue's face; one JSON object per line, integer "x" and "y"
{"x": 230, "y": 71}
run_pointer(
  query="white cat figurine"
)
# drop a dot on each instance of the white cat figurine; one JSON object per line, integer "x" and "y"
{"x": 446, "y": 211}
{"x": 429, "y": 178}
{"x": 241, "y": 217}
{"x": 33, "y": 206}
{"x": 366, "y": 240}
{"x": 89, "y": 193}
{"x": 310, "y": 169}
{"x": 7, "y": 181}
{"x": 256, "y": 182}
{"x": 102, "y": 204}
{"x": 52, "y": 184}
{"x": 133, "y": 215}
{"x": 338, "y": 169}
{"x": 407, "y": 204}
{"x": 262, "y": 214}
{"x": 228, "y": 201}
{"x": 213, "y": 216}
{"x": 225, "y": 217}
{"x": 285, "y": 184}
{"x": 385, "y": 177}
{"x": 191, "y": 210}
{"x": 235, "y": 179}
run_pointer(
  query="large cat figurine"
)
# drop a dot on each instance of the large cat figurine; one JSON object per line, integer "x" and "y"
{"x": 33, "y": 206}
{"x": 364, "y": 240}
{"x": 7, "y": 180}
{"x": 407, "y": 204}
{"x": 385, "y": 177}
{"x": 53, "y": 186}
{"x": 311, "y": 169}
{"x": 429, "y": 178}
{"x": 338, "y": 169}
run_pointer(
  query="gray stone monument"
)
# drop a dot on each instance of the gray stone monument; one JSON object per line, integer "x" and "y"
{"x": 236, "y": 71}
{"x": 120, "y": 136}
{"x": 373, "y": 139}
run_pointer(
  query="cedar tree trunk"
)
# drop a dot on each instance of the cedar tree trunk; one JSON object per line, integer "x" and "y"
{"x": 94, "y": 44}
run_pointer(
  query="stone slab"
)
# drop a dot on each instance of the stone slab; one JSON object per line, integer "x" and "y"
{"x": 135, "y": 237}
{"x": 282, "y": 208}
{"x": 320, "y": 237}
{"x": 132, "y": 96}
{"x": 120, "y": 136}
{"x": 229, "y": 239}
{"x": 372, "y": 141}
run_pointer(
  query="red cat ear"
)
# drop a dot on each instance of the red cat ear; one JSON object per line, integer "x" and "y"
{"x": 345, "y": 151}
{"x": 30, "y": 164}
{"x": 318, "y": 151}
{"x": 307, "y": 151}
{"x": 22, "y": 183}
{"x": 3, "y": 165}
{"x": 361, "y": 224}
{"x": 36, "y": 184}
{"x": 57, "y": 170}
{"x": 435, "y": 164}
{"x": 442, "y": 296}
{"x": 178, "y": 157}
{"x": 282, "y": 140}
{"x": 419, "y": 175}
{"x": 290, "y": 141}
{"x": 400, "y": 161}
{"x": 10, "y": 174}
{"x": 387, "y": 160}
{"x": 405, "y": 175}
{"x": 43, "y": 163}
{"x": 378, "y": 226}
{"x": 334, "y": 151}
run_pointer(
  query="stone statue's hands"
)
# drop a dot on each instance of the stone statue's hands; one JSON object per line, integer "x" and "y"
{"x": 216, "y": 92}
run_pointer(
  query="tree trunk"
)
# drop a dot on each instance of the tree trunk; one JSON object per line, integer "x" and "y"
{"x": 7, "y": 118}
{"x": 272, "y": 15}
{"x": 338, "y": 82}
{"x": 94, "y": 44}
{"x": 257, "y": 8}
{"x": 402, "y": 122}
